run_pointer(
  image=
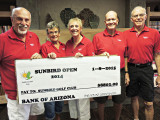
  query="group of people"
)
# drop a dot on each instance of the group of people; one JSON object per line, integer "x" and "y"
{"x": 137, "y": 48}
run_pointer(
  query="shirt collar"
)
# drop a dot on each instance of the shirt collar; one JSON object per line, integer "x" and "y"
{"x": 105, "y": 33}
{"x": 49, "y": 43}
{"x": 82, "y": 41}
{"x": 13, "y": 36}
{"x": 145, "y": 29}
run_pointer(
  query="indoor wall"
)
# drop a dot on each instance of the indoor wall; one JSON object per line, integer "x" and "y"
{"x": 40, "y": 8}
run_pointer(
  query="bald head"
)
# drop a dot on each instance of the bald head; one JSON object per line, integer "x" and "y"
{"x": 111, "y": 13}
{"x": 111, "y": 21}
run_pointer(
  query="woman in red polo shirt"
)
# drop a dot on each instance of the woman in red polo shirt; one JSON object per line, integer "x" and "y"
{"x": 53, "y": 48}
{"x": 78, "y": 46}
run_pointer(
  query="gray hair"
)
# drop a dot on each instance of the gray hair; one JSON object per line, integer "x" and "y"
{"x": 51, "y": 25}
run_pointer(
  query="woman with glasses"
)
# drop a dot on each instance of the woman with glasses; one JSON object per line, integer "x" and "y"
{"x": 53, "y": 48}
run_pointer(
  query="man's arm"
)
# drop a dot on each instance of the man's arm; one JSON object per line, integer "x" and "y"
{"x": 127, "y": 80}
{"x": 157, "y": 61}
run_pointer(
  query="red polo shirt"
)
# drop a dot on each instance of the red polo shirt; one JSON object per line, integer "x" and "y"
{"x": 141, "y": 48}
{"x": 11, "y": 49}
{"x": 114, "y": 45}
{"x": 49, "y": 47}
{"x": 85, "y": 47}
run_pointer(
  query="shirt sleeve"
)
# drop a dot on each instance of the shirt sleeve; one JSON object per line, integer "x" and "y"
{"x": 98, "y": 45}
{"x": 38, "y": 44}
{"x": 36, "y": 40}
{"x": 157, "y": 42}
{"x": 44, "y": 51}
{"x": 90, "y": 49}
{"x": 1, "y": 47}
{"x": 126, "y": 48}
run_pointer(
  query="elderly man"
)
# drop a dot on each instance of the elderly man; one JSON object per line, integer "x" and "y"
{"x": 17, "y": 43}
{"x": 143, "y": 47}
{"x": 111, "y": 42}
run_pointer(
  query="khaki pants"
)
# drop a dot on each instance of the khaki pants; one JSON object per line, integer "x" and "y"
{"x": 22, "y": 111}
{"x": 80, "y": 109}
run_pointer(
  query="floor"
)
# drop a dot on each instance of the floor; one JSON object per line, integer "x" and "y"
{"x": 126, "y": 114}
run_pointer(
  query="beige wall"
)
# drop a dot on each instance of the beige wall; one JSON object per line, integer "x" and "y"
{"x": 65, "y": 35}
{"x": 99, "y": 7}
{"x": 40, "y": 8}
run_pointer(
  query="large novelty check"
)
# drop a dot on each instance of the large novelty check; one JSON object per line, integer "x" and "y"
{"x": 46, "y": 80}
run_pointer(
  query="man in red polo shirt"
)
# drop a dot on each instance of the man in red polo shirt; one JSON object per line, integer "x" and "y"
{"x": 143, "y": 46}
{"x": 17, "y": 43}
{"x": 111, "y": 42}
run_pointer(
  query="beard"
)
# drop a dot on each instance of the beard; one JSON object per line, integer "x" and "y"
{"x": 22, "y": 26}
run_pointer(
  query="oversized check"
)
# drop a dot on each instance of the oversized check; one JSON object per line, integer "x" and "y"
{"x": 46, "y": 80}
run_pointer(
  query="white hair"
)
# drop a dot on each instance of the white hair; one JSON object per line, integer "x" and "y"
{"x": 18, "y": 8}
{"x": 138, "y": 7}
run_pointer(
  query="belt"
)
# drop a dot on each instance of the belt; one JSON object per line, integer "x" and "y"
{"x": 140, "y": 65}
{"x": 122, "y": 69}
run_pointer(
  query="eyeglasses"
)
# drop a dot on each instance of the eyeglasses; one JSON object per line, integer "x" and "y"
{"x": 52, "y": 33}
{"x": 140, "y": 15}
